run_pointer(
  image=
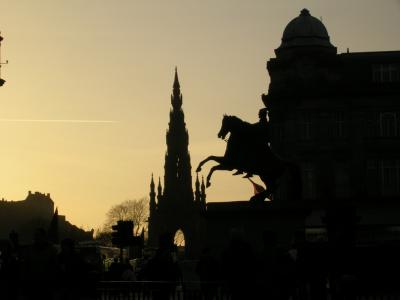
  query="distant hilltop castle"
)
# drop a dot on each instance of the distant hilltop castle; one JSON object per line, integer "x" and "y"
{"x": 37, "y": 210}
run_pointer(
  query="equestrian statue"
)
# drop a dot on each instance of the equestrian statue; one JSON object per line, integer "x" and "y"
{"x": 248, "y": 151}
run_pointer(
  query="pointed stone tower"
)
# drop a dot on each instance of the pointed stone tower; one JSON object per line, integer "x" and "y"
{"x": 177, "y": 207}
{"x": 178, "y": 175}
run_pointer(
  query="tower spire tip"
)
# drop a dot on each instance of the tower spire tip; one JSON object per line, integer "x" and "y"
{"x": 176, "y": 79}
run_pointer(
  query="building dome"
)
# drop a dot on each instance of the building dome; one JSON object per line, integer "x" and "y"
{"x": 305, "y": 31}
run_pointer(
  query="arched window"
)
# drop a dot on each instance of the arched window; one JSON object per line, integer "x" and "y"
{"x": 179, "y": 241}
{"x": 179, "y": 238}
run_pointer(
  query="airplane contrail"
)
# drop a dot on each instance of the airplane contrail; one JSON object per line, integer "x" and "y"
{"x": 55, "y": 121}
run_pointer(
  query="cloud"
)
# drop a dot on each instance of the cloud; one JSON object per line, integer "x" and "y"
{"x": 55, "y": 121}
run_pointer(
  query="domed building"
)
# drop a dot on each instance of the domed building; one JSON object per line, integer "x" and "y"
{"x": 338, "y": 117}
{"x": 335, "y": 115}
{"x": 305, "y": 33}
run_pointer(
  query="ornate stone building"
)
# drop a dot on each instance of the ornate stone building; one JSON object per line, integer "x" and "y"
{"x": 175, "y": 207}
{"x": 336, "y": 115}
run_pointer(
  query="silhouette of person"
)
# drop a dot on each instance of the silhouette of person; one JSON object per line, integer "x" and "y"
{"x": 127, "y": 272}
{"x": 115, "y": 270}
{"x": 10, "y": 267}
{"x": 269, "y": 286}
{"x": 40, "y": 267}
{"x": 208, "y": 270}
{"x": 9, "y": 272}
{"x": 238, "y": 267}
{"x": 261, "y": 128}
{"x": 163, "y": 269}
{"x": 71, "y": 271}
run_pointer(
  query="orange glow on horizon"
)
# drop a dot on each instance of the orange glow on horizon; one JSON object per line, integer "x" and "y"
{"x": 86, "y": 101}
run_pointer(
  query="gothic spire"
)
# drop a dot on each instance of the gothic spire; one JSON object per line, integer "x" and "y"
{"x": 203, "y": 191}
{"x": 176, "y": 97}
{"x": 152, "y": 194}
{"x": 197, "y": 193}
{"x": 178, "y": 177}
{"x": 176, "y": 80}
{"x": 152, "y": 185}
{"x": 159, "y": 190}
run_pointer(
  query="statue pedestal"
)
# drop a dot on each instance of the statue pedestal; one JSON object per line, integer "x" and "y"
{"x": 252, "y": 222}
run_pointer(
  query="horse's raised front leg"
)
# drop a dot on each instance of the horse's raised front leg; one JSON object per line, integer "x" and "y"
{"x": 216, "y": 168}
{"x": 218, "y": 159}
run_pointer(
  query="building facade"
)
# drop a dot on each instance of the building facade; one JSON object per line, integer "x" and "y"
{"x": 336, "y": 115}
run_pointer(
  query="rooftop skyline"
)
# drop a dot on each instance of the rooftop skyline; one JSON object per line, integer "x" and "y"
{"x": 86, "y": 102}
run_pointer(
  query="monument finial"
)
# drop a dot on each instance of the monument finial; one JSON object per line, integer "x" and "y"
{"x": 176, "y": 79}
{"x": 197, "y": 192}
{"x": 176, "y": 97}
{"x": 305, "y": 12}
{"x": 152, "y": 194}
{"x": 152, "y": 182}
{"x": 159, "y": 187}
{"x": 203, "y": 191}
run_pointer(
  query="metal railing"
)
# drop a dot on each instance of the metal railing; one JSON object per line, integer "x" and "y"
{"x": 147, "y": 290}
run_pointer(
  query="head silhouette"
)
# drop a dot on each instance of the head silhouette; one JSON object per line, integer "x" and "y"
{"x": 262, "y": 113}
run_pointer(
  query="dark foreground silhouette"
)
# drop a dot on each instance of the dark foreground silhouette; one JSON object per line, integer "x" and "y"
{"x": 334, "y": 269}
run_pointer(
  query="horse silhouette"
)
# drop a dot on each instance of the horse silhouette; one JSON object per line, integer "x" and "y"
{"x": 248, "y": 151}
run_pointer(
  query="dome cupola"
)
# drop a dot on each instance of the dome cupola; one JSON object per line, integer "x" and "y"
{"x": 305, "y": 31}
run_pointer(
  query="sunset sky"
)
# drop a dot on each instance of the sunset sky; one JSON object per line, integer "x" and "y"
{"x": 86, "y": 104}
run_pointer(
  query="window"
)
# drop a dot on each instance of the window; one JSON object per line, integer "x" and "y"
{"x": 309, "y": 181}
{"x": 390, "y": 177}
{"x": 342, "y": 180}
{"x": 383, "y": 177}
{"x": 305, "y": 126}
{"x": 179, "y": 238}
{"x": 387, "y": 124}
{"x": 385, "y": 73}
{"x": 372, "y": 182}
{"x": 338, "y": 124}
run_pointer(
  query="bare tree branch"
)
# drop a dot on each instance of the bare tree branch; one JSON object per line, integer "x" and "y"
{"x": 136, "y": 210}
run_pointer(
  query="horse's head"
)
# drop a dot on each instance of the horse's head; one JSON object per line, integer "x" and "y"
{"x": 225, "y": 127}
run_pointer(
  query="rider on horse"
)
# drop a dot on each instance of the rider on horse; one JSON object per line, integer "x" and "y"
{"x": 259, "y": 138}
{"x": 248, "y": 150}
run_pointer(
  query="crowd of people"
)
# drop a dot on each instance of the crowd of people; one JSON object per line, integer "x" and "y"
{"x": 303, "y": 271}
{"x": 44, "y": 271}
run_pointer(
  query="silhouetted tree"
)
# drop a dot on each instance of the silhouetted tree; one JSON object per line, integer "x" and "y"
{"x": 136, "y": 210}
